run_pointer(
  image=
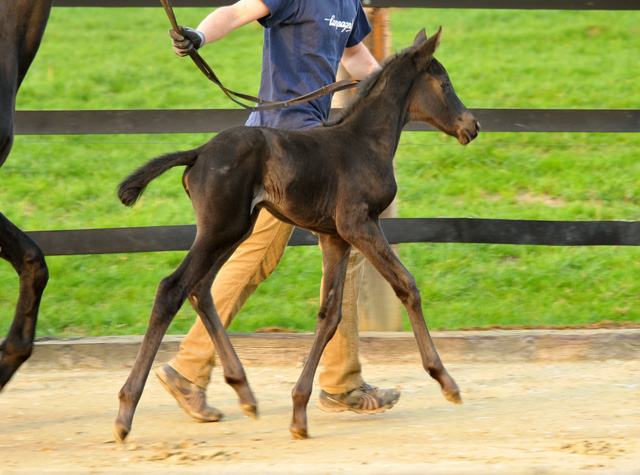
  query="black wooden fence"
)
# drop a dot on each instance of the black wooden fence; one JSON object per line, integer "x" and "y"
{"x": 484, "y": 4}
{"x": 166, "y": 238}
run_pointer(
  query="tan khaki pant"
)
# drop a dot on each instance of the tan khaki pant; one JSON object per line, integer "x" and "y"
{"x": 250, "y": 265}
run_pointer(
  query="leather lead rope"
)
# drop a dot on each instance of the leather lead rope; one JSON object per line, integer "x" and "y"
{"x": 262, "y": 103}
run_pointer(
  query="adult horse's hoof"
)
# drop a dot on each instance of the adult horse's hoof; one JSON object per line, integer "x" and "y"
{"x": 250, "y": 410}
{"x": 453, "y": 396}
{"x": 120, "y": 432}
{"x": 299, "y": 434}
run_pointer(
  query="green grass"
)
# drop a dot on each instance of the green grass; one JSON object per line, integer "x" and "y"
{"x": 121, "y": 58}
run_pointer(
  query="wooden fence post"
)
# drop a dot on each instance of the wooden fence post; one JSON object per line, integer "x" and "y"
{"x": 378, "y": 305}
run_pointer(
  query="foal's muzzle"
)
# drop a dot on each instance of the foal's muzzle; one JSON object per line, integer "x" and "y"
{"x": 467, "y": 128}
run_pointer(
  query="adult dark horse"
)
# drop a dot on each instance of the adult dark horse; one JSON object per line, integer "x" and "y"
{"x": 22, "y": 24}
{"x": 333, "y": 180}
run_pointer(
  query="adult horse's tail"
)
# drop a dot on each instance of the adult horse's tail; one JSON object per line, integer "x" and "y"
{"x": 132, "y": 187}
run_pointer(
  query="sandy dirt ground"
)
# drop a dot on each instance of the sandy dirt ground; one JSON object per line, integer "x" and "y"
{"x": 574, "y": 417}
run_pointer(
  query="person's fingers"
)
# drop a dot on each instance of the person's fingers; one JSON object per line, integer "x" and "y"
{"x": 175, "y": 35}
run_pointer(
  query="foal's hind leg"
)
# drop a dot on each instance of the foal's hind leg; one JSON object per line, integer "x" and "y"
{"x": 28, "y": 260}
{"x": 335, "y": 255}
{"x": 171, "y": 294}
{"x": 234, "y": 374}
{"x": 371, "y": 242}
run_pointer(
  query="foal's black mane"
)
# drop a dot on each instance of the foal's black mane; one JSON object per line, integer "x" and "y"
{"x": 366, "y": 86}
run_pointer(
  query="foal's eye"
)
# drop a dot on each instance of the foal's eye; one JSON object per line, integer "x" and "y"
{"x": 444, "y": 85}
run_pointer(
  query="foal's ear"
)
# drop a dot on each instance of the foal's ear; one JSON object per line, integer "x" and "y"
{"x": 426, "y": 47}
{"x": 421, "y": 37}
{"x": 432, "y": 43}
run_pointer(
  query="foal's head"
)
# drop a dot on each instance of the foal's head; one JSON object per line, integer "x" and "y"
{"x": 432, "y": 98}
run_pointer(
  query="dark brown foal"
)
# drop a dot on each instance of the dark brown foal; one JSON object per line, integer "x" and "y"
{"x": 334, "y": 180}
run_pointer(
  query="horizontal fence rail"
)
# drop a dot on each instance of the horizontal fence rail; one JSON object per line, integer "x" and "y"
{"x": 397, "y": 230}
{"x": 480, "y": 4}
{"x": 166, "y": 121}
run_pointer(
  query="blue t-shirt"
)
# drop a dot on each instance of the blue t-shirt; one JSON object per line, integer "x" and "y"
{"x": 303, "y": 44}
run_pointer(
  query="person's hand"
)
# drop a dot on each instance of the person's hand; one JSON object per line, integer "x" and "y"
{"x": 186, "y": 41}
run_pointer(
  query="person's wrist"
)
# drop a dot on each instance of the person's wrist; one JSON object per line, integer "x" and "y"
{"x": 195, "y": 37}
{"x": 203, "y": 38}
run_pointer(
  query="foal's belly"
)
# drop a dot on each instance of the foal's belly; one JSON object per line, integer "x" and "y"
{"x": 317, "y": 223}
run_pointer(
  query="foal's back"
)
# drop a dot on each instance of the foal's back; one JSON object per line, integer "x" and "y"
{"x": 303, "y": 177}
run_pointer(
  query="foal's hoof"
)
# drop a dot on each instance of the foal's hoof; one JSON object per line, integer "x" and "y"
{"x": 120, "y": 432}
{"x": 250, "y": 410}
{"x": 453, "y": 396}
{"x": 299, "y": 434}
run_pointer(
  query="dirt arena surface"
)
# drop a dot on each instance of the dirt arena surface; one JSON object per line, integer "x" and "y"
{"x": 525, "y": 418}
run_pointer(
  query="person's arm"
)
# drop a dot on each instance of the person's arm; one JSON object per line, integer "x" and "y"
{"x": 218, "y": 24}
{"x": 358, "y": 61}
{"x": 224, "y": 20}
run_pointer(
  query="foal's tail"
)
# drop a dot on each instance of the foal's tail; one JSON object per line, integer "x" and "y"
{"x": 132, "y": 187}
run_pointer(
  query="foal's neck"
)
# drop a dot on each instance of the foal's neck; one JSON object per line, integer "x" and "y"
{"x": 382, "y": 112}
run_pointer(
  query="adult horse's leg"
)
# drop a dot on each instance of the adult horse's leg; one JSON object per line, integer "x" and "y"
{"x": 234, "y": 374}
{"x": 22, "y": 23}
{"x": 370, "y": 241}
{"x": 28, "y": 260}
{"x": 335, "y": 255}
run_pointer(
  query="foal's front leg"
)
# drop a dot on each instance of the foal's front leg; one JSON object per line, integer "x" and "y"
{"x": 335, "y": 255}
{"x": 370, "y": 241}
